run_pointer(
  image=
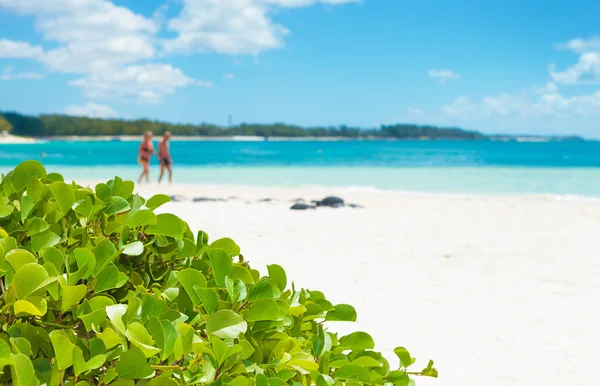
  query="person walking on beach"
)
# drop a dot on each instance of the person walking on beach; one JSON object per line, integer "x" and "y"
{"x": 144, "y": 153}
{"x": 164, "y": 155}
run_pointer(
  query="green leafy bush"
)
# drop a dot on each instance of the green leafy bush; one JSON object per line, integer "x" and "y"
{"x": 97, "y": 289}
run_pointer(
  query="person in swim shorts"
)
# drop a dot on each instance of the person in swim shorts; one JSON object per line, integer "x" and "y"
{"x": 164, "y": 155}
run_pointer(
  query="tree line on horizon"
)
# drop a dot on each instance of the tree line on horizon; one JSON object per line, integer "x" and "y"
{"x": 66, "y": 125}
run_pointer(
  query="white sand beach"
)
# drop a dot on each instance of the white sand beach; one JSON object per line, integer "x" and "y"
{"x": 497, "y": 290}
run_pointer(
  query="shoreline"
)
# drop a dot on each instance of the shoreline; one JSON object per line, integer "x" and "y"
{"x": 11, "y": 139}
{"x": 187, "y": 192}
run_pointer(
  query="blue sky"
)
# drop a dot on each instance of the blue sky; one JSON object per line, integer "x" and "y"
{"x": 511, "y": 66}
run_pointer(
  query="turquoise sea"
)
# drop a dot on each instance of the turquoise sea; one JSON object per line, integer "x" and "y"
{"x": 562, "y": 168}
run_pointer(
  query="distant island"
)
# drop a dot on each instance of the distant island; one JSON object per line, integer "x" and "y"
{"x": 56, "y": 125}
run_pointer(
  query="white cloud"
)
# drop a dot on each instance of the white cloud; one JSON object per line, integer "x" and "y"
{"x": 92, "y": 110}
{"x": 8, "y": 73}
{"x": 102, "y": 41}
{"x": 229, "y": 76}
{"x": 113, "y": 47}
{"x": 415, "y": 111}
{"x": 443, "y": 75}
{"x": 581, "y": 45}
{"x": 142, "y": 83}
{"x": 19, "y": 50}
{"x": 232, "y": 26}
{"x": 523, "y": 105}
{"x": 587, "y": 68}
{"x": 224, "y": 26}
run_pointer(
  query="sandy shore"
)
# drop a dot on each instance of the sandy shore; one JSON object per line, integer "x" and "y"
{"x": 497, "y": 290}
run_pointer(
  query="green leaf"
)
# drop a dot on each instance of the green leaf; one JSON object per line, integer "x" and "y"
{"x": 167, "y": 225}
{"x": 35, "y": 306}
{"x": 152, "y": 306}
{"x": 139, "y": 336}
{"x": 36, "y": 225}
{"x": 189, "y": 278}
{"x": 85, "y": 258}
{"x": 133, "y": 365}
{"x": 342, "y": 313}
{"x": 404, "y": 356}
{"x": 103, "y": 191}
{"x": 6, "y": 210}
{"x": 277, "y": 274}
{"x": 208, "y": 298}
{"x": 115, "y": 314}
{"x": 358, "y": 341}
{"x": 27, "y": 204}
{"x": 115, "y": 205}
{"x": 263, "y": 289}
{"x": 140, "y": 217}
{"x": 64, "y": 196}
{"x": 107, "y": 279}
{"x": 157, "y": 200}
{"x": 429, "y": 371}
{"x": 22, "y": 371}
{"x": 72, "y": 295}
{"x": 353, "y": 372}
{"x": 43, "y": 240}
{"x": 226, "y": 244}
{"x": 134, "y": 248}
{"x": 105, "y": 252}
{"x": 221, "y": 264}
{"x": 236, "y": 289}
{"x": 26, "y": 171}
{"x": 186, "y": 334}
{"x": 19, "y": 257}
{"x": 29, "y": 279}
{"x": 226, "y": 324}
{"x": 63, "y": 348}
{"x": 164, "y": 334}
{"x": 263, "y": 309}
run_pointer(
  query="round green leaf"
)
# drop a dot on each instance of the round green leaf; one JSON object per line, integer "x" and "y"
{"x": 166, "y": 225}
{"x": 134, "y": 248}
{"x": 115, "y": 205}
{"x": 226, "y": 324}
{"x": 262, "y": 309}
{"x": 358, "y": 341}
{"x": 342, "y": 313}
{"x": 64, "y": 196}
{"x": 226, "y": 244}
{"x": 25, "y": 171}
{"x": 29, "y": 279}
{"x": 133, "y": 365}
{"x": 353, "y": 372}
{"x": 19, "y": 257}
{"x": 221, "y": 264}
{"x": 157, "y": 200}
{"x": 277, "y": 274}
{"x": 35, "y": 306}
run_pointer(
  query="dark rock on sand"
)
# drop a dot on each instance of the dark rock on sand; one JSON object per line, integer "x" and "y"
{"x": 333, "y": 202}
{"x": 177, "y": 198}
{"x": 300, "y": 206}
{"x": 208, "y": 199}
{"x": 267, "y": 200}
{"x": 356, "y": 206}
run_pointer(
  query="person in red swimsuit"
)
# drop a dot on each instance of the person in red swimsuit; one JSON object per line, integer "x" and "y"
{"x": 144, "y": 153}
{"x": 164, "y": 155}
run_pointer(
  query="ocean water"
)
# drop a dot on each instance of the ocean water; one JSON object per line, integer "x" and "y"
{"x": 560, "y": 168}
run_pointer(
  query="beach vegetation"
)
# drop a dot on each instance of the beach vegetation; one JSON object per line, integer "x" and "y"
{"x": 100, "y": 288}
